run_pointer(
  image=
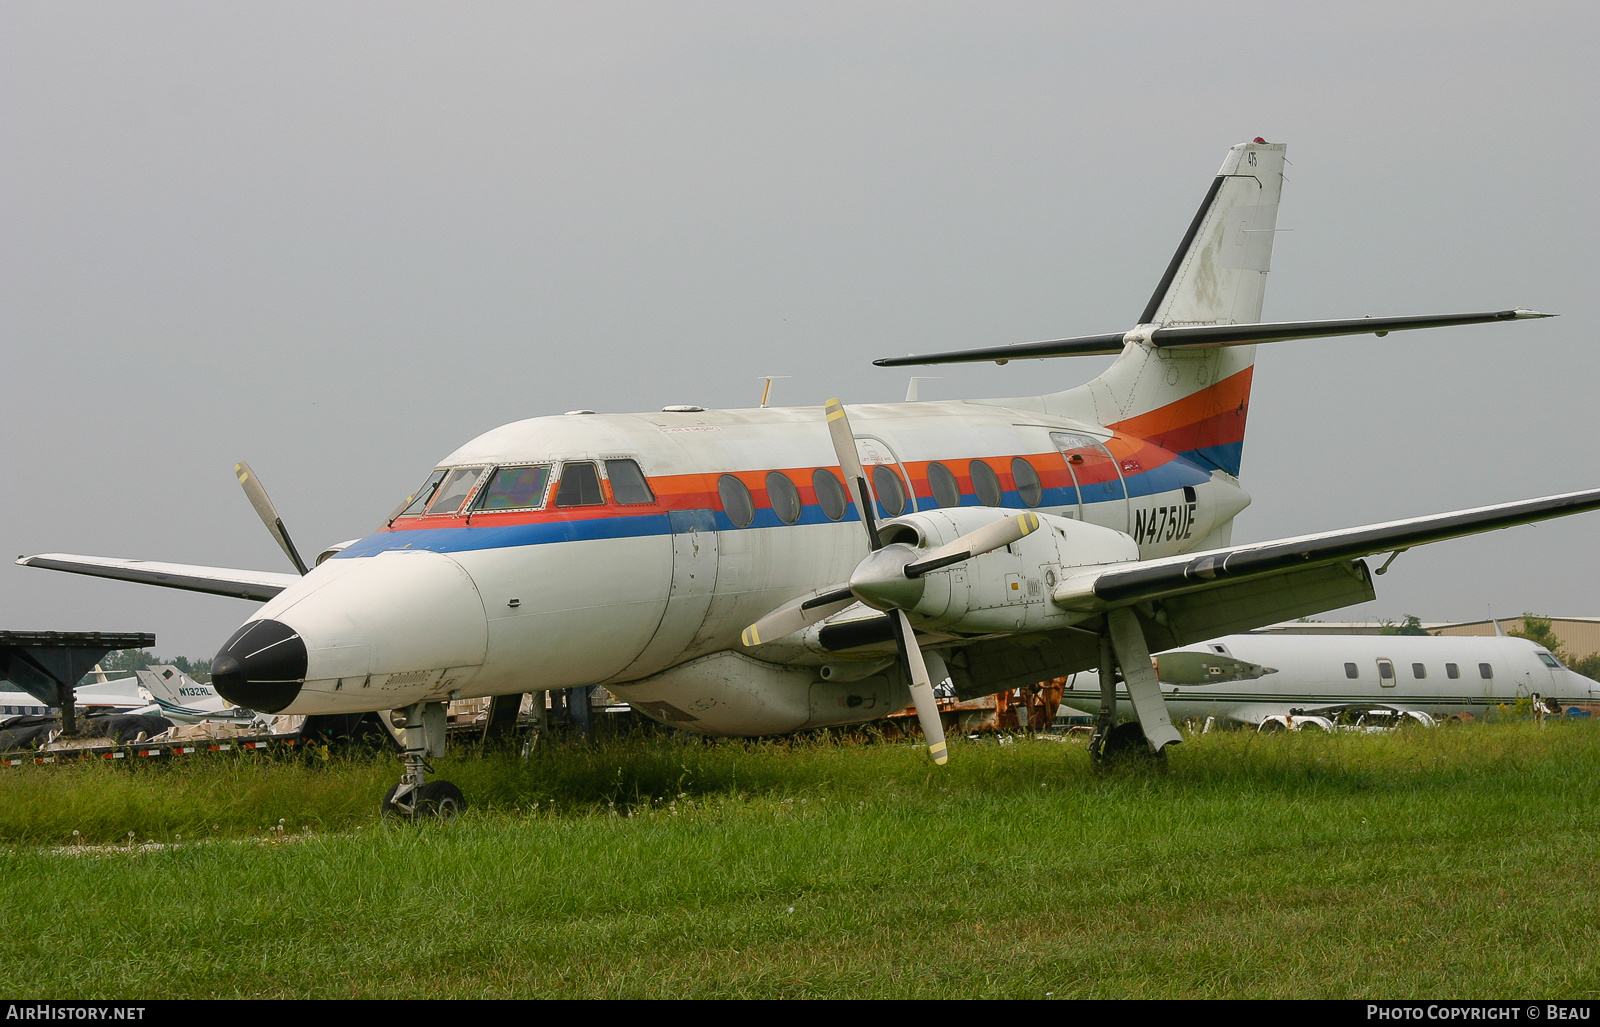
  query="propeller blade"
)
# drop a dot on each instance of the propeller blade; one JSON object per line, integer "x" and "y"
{"x": 855, "y": 479}
{"x": 268, "y": 513}
{"x": 975, "y": 543}
{"x": 786, "y": 620}
{"x": 921, "y": 688}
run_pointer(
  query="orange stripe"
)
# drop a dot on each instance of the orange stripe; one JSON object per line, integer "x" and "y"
{"x": 1231, "y": 395}
{"x": 698, "y": 491}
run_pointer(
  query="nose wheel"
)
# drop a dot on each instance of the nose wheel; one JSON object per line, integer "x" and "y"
{"x": 420, "y": 729}
{"x": 431, "y": 800}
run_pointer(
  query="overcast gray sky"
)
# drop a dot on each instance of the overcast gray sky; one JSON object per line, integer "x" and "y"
{"x": 340, "y": 239}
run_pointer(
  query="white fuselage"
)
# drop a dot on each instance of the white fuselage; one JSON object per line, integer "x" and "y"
{"x": 481, "y": 602}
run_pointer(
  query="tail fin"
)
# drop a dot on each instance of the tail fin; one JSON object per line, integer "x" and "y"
{"x": 176, "y": 691}
{"x": 1219, "y": 274}
{"x": 1195, "y": 401}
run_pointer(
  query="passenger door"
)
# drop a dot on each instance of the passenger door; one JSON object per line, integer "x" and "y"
{"x": 1102, "y": 496}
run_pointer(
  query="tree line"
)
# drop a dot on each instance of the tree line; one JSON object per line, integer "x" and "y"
{"x": 126, "y": 661}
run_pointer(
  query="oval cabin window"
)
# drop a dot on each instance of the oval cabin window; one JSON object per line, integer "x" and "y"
{"x": 946, "y": 490}
{"x": 890, "y": 489}
{"x": 1029, "y": 488}
{"x": 736, "y": 501}
{"x": 985, "y": 483}
{"x": 784, "y": 497}
{"x": 830, "y": 494}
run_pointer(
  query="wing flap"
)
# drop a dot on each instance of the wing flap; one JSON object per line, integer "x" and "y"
{"x": 1198, "y": 572}
{"x": 221, "y": 581}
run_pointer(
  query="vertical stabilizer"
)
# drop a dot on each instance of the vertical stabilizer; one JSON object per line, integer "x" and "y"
{"x": 1195, "y": 402}
{"x": 1219, "y": 274}
{"x": 175, "y": 691}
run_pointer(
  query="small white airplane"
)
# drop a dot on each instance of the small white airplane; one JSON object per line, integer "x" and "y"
{"x": 119, "y": 695}
{"x": 160, "y": 690}
{"x": 183, "y": 700}
{"x": 760, "y": 571}
{"x": 1303, "y": 680}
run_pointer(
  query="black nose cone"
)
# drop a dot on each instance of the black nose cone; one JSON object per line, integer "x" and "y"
{"x": 261, "y": 667}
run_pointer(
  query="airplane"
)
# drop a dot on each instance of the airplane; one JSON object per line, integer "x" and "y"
{"x": 160, "y": 690}
{"x": 1288, "y": 681}
{"x": 759, "y": 571}
{"x": 120, "y": 695}
{"x": 183, "y": 700}
{"x": 118, "y": 706}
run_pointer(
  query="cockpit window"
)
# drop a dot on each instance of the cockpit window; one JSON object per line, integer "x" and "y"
{"x": 628, "y": 486}
{"x": 1548, "y": 660}
{"x": 580, "y": 485}
{"x": 454, "y": 491}
{"x": 514, "y": 488}
{"x": 419, "y": 499}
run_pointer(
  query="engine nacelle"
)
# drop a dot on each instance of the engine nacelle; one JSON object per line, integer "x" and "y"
{"x": 1007, "y": 589}
{"x": 728, "y": 693}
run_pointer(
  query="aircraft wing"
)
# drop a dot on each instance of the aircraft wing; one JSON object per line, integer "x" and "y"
{"x": 1125, "y": 584}
{"x": 222, "y": 581}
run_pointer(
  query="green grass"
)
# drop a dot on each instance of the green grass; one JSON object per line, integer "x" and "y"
{"x": 1453, "y": 862}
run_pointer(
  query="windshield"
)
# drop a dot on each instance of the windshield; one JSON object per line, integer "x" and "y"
{"x": 419, "y": 499}
{"x": 514, "y": 488}
{"x": 457, "y": 486}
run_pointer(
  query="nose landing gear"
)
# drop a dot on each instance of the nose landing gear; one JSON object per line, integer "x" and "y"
{"x": 420, "y": 728}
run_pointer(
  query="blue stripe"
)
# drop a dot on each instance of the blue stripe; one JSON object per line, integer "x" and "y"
{"x": 460, "y": 540}
{"x": 1167, "y": 478}
{"x": 1224, "y": 458}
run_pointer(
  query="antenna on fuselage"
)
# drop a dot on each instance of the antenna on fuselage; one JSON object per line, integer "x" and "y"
{"x": 911, "y": 387}
{"x": 766, "y": 390}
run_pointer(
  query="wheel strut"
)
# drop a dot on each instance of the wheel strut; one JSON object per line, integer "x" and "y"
{"x": 420, "y": 728}
{"x": 1107, "y": 717}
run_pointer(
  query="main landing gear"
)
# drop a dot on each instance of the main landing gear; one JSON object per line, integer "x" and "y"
{"x": 420, "y": 729}
{"x": 1123, "y": 648}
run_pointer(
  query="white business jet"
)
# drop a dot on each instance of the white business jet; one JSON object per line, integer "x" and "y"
{"x": 160, "y": 690}
{"x": 752, "y": 572}
{"x": 1290, "y": 681}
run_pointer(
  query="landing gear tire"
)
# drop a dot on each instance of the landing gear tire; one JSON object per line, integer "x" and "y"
{"x": 1125, "y": 746}
{"x": 435, "y": 800}
{"x": 440, "y": 800}
{"x": 389, "y": 808}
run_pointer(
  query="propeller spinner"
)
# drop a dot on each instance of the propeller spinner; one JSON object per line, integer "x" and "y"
{"x": 889, "y": 580}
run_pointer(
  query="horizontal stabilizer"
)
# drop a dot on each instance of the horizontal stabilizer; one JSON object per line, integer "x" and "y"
{"x": 1208, "y": 336}
{"x": 222, "y": 581}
